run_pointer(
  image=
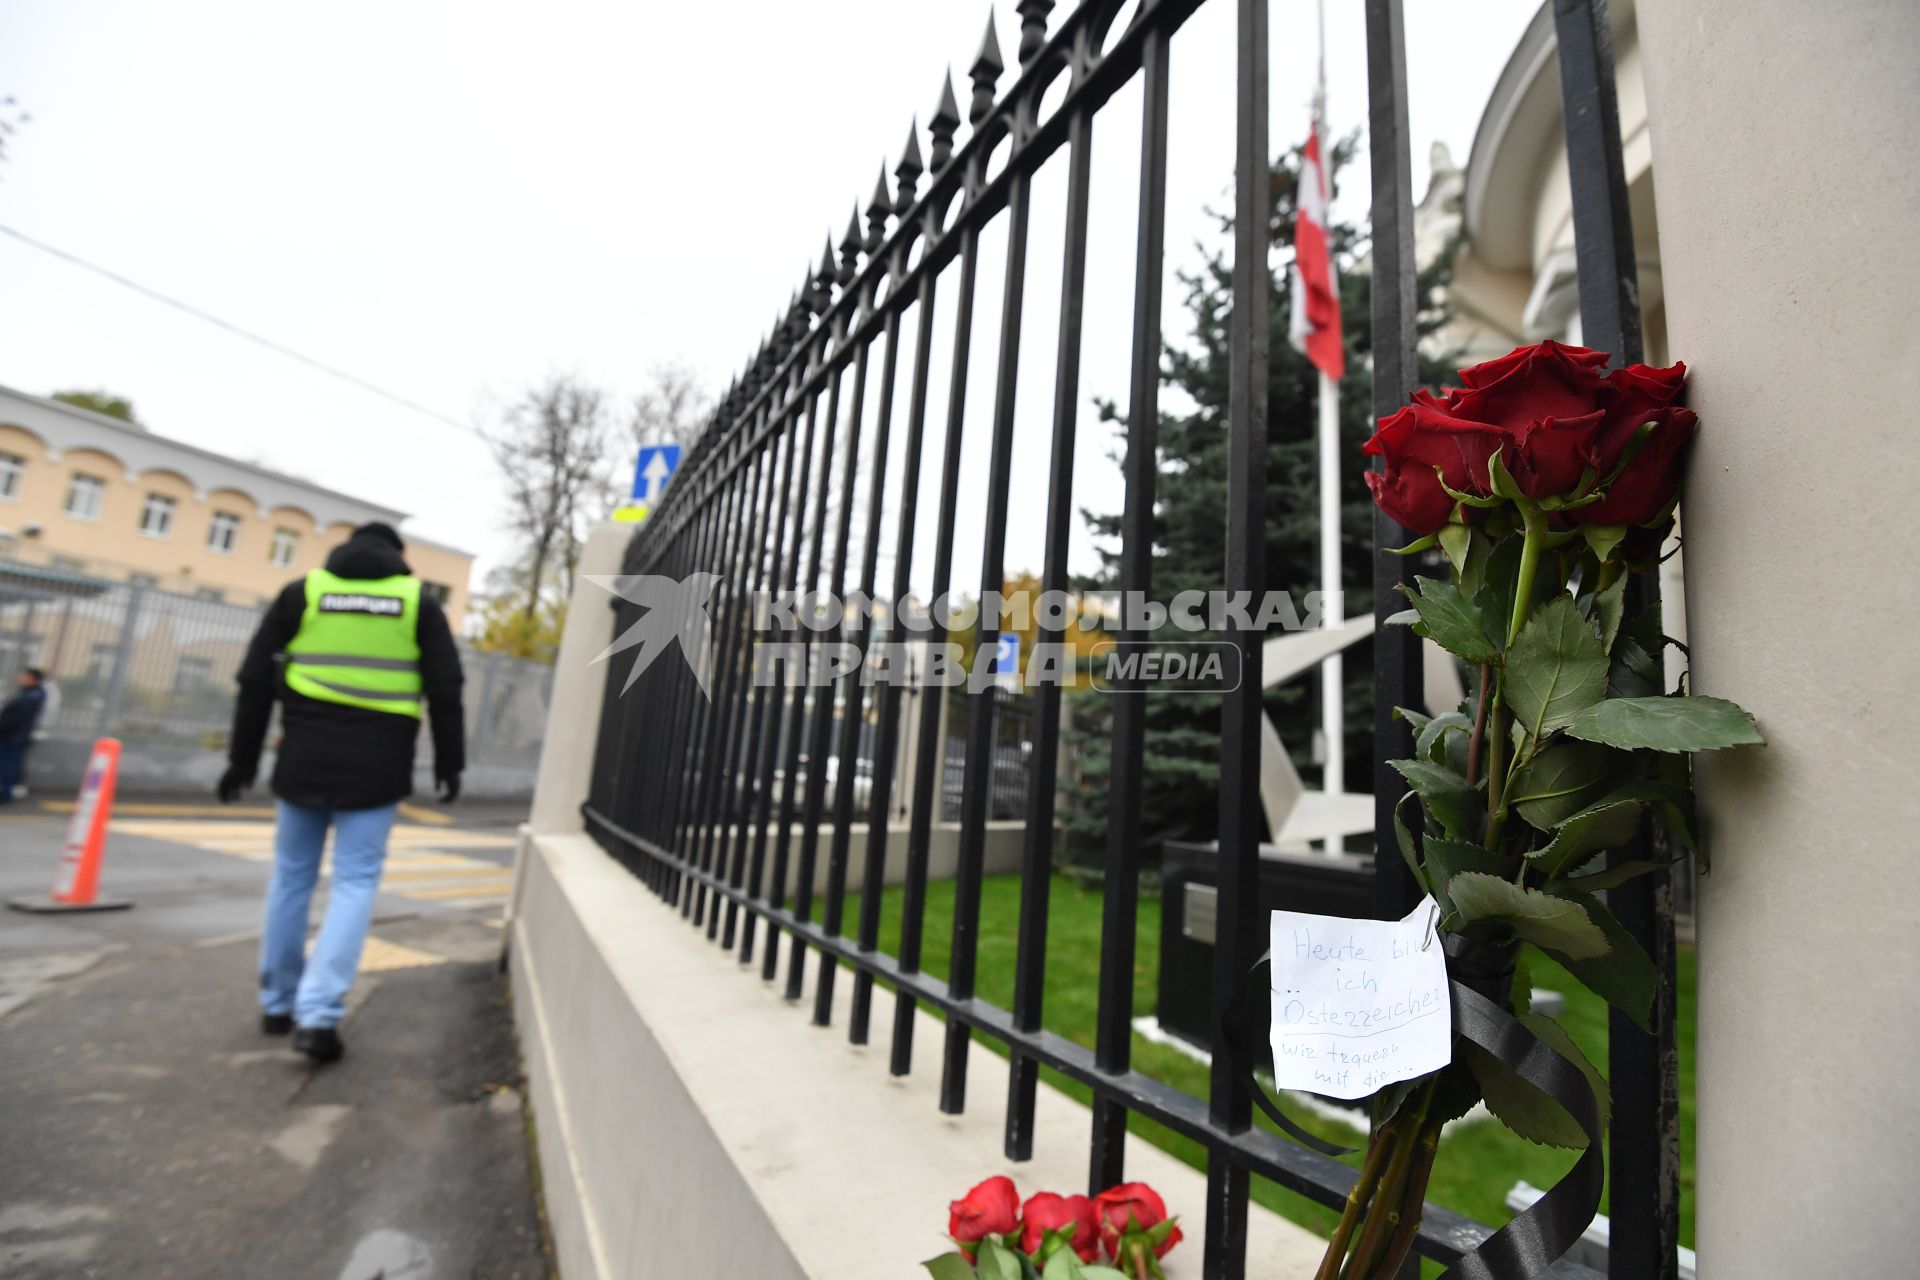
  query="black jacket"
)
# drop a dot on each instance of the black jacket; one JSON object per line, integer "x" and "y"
{"x": 20, "y": 715}
{"x": 332, "y": 754}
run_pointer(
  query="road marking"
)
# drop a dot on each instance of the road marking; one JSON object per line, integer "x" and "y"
{"x": 380, "y": 956}
{"x": 423, "y": 863}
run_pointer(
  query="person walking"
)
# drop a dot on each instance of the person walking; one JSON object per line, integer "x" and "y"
{"x": 18, "y": 720}
{"x": 354, "y": 652}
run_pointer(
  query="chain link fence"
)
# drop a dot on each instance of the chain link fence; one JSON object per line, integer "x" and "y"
{"x": 156, "y": 670}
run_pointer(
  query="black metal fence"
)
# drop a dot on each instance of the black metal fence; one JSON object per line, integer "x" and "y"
{"x": 705, "y": 797}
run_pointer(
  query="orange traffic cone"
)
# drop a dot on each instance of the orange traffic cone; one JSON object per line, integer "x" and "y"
{"x": 78, "y": 885}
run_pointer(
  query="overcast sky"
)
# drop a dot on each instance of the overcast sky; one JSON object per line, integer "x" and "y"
{"x": 452, "y": 200}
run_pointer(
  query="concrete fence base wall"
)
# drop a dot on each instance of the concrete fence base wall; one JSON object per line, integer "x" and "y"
{"x": 691, "y": 1122}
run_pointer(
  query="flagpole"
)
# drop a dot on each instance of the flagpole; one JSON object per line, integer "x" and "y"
{"x": 1333, "y": 602}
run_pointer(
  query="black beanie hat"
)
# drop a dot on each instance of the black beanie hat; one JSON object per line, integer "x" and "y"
{"x": 382, "y": 530}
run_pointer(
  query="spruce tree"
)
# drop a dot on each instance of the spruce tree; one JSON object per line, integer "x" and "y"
{"x": 1182, "y": 748}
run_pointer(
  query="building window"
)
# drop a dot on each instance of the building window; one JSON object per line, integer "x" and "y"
{"x": 438, "y": 592}
{"x": 285, "y": 543}
{"x": 13, "y": 470}
{"x": 223, "y": 532}
{"x": 85, "y": 494}
{"x": 156, "y": 516}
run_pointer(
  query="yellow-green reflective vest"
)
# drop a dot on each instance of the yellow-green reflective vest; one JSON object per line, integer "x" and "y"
{"x": 358, "y": 643}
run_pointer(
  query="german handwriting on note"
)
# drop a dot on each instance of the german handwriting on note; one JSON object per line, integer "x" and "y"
{"x": 1358, "y": 1004}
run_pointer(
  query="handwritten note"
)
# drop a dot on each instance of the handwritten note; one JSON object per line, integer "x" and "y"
{"x": 1358, "y": 1004}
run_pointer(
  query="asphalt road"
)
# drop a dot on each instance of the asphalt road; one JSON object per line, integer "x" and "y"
{"x": 148, "y": 1129}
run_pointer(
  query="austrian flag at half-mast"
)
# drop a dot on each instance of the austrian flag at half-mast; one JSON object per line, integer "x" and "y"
{"x": 1315, "y": 327}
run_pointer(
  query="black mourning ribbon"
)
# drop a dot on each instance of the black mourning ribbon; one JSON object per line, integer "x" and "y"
{"x": 1480, "y": 975}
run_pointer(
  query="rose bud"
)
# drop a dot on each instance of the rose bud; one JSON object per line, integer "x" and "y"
{"x": 991, "y": 1209}
{"x": 1423, "y": 445}
{"x": 1646, "y": 485}
{"x": 1045, "y": 1211}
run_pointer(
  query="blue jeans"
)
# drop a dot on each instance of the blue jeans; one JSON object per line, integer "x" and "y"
{"x": 13, "y": 768}
{"x": 314, "y": 989}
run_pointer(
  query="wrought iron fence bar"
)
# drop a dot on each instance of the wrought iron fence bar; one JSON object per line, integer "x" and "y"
{"x": 1120, "y": 893}
{"x": 678, "y": 766}
{"x": 1237, "y": 923}
{"x": 1396, "y": 650}
{"x": 887, "y": 728}
{"x": 716, "y": 712}
{"x": 858, "y": 632}
{"x": 821, "y": 726}
{"x": 1643, "y": 1067}
{"x": 1444, "y": 1235}
{"x": 977, "y": 789}
{"x": 1036, "y": 873}
{"x": 739, "y": 672}
{"x": 929, "y": 756}
{"x": 747, "y": 871}
{"x": 796, "y": 708}
{"x": 703, "y": 710}
{"x": 983, "y": 197}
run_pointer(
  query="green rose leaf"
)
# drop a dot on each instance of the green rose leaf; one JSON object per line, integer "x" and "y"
{"x": 1446, "y": 859}
{"x": 949, "y": 1266}
{"x": 1624, "y": 976}
{"x": 1609, "y": 609}
{"x": 1559, "y": 925}
{"x": 1603, "y": 538}
{"x": 1605, "y": 824}
{"x": 1562, "y": 780}
{"x": 1556, "y": 668}
{"x": 1692, "y": 723}
{"x": 1090, "y": 1272}
{"x": 1450, "y": 621}
{"x": 997, "y": 1262}
{"x": 1405, "y": 838}
{"x": 1434, "y": 732}
{"x": 1061, "y": 1266}
{"x": 1453, "y": 803}
{"x": 1608, "y": 877}
{"x": 1635, "y": 670}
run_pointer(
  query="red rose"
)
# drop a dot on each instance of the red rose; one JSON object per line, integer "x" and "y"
{"x": 1634, "y": 394}
{"x": 1550, "y": 455}
{"x": 1423, "y": 444}
{"x": 1132, "y": 1206}
{"x": 1548, "y": 380}
{"x": 990, "y": 1209}
{"x": 1045, "y": 1211}
{"x": 1643, "y": 489}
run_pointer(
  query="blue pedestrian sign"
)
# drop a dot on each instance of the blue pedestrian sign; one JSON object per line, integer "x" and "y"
{"x": 1006, "y": 654}
{"x": 655, "y": 467}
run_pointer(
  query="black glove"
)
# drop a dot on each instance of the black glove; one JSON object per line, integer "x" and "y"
{"x": 449, "y": 783}
{"x": 232, "y": 783}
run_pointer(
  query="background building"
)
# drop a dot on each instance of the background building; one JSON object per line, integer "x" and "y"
{"x": 82, "y": 493}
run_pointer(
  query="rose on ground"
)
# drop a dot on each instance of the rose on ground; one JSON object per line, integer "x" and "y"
{"x": 991, "y": 1208}
{"x": 1045, "y": 1212}
{"x": 1129, "y": 1209}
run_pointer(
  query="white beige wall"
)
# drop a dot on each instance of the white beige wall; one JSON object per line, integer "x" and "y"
{"x": 1787, "y": 144}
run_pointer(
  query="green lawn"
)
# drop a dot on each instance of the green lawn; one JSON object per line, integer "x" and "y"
{"x": 1478, "y": 1162}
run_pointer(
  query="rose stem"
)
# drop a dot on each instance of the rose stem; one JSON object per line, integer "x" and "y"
{"x": 1377, "y": 1146}
{"x": 1536, "y": 537}
{"x": 1386, "y": 1206}
{"x": 1478, "y": 740}
{"x": 1139, "y": 1262}
{"x": 1413, "y": 1203}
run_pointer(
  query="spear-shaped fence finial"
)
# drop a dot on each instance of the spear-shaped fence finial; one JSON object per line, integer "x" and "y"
{"x": 987, "y": 67}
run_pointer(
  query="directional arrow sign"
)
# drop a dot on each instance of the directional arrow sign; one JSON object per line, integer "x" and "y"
{"x": 656, "y": 466}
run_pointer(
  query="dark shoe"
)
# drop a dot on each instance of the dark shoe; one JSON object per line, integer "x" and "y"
{"x": 322, "y": 1044}
{"x": 275, "y": 1024}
